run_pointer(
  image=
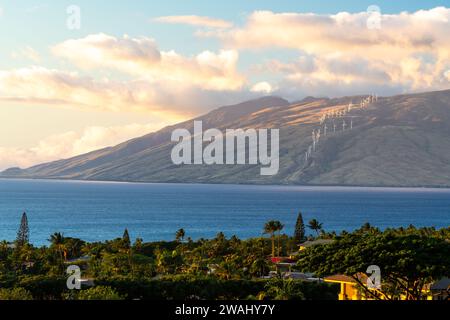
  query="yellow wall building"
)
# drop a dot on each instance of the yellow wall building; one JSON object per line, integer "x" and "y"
{"x": 440, "y": 290}
{"x": 349, "y": 288}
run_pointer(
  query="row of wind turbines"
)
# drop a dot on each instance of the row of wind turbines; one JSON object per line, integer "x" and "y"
{"x": 334, "y": 115}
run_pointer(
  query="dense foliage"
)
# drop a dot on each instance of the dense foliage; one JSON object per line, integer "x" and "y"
{"x": 409, "y": 259}
{"x": 223, "y": 268}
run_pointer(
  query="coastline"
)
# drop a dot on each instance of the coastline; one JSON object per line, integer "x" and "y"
{"x": 297, "y": 186}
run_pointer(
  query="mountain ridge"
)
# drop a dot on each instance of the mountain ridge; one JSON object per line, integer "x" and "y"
{"x": 398, "y": 141}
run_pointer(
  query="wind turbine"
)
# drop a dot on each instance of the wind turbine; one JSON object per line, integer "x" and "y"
{"x": 314, "y": 139}
{"x": 351, "y": 121}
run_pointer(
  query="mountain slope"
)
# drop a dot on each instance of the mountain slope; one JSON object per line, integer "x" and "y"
{"x": 395, "y": 141}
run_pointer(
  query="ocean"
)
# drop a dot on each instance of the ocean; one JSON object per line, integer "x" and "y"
{"x": 95, "y": 211}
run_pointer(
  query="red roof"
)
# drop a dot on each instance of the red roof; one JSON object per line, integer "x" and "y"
{"x": 282, "y": 259}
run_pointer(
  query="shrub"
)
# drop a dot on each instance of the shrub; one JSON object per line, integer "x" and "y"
{"x": 97, "y": 293}
{"x": 15, "y": 294}
{"x": 44, "y": 287}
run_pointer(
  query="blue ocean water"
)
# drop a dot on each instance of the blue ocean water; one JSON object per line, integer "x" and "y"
{"x": 99, "y": 211}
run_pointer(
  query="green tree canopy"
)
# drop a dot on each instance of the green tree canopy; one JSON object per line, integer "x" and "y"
{"x": 299, "y": 234}
{"x": 126, "y": 239}
{"x": 180, "y": 234}
{"x": 15, "y": 294}
{"x": 409, "y": 261}
{"x": 99, "y": 293}
{"x": 23, "y": 234}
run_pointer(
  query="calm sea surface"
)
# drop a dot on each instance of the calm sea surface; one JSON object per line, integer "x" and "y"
{"x": 99, "y": 211}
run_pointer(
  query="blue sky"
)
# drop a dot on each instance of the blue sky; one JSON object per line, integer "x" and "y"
{"x": 64, "y": 92}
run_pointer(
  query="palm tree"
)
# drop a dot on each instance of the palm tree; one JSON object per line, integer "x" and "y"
{"x": 23, "y": 255}
{"x": 57, "y": 240}
{"x": 279, "y": 227}
{"x": 281, "y": 289}
{"x": 270, "y": 228}
{"x": 179, "y": 236}
{"x": 315, "y": 225}
{"x": 259, "y": 266}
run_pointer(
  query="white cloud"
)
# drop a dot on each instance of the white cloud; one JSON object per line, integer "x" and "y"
{"x": 337, "y": 55}
{"x": 27, "y": 53}
{"x": 195, "y": 21}
{"x": 410, "y": 52}
{"x": 262, "y": 87}
{"x": 164, "y": 83}
{"x": 163, "y": 98}
{"x": 341, "y": 32}
{"x": 72, "y": 143}
{"x": 447, "y": 75}
{"x": 39, "y": 85}
{"x": 141, "y": 57}
{"x": 101, "y": 50}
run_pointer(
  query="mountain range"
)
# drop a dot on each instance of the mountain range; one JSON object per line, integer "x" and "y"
{"x": 401, "y": 141}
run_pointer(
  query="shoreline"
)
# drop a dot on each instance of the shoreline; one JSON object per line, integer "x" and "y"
{"x": 290, "y": 186}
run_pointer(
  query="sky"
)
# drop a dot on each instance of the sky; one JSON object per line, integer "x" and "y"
{"x": 77, "y": 75}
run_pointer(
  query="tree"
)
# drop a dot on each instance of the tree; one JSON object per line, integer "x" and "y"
{"x": 98, "y": 293}
{"x": 57, "y": 240}
{"x": 409, "y": 261}
{"x": 15, "y": 294}
{"x": 315, "y": 225}
{"x": 279, "y": 226}
{"x": 167, "y": 262}
{"x": 180, "y": 234}
{"x": 73, "y": 247}
{"x": 126, "y": 239}
{"x": 281, "y": 289}
{"x": 126, "y": 242}
{"x": 299, "y": 234}
{"x": 138, "y": 245}
{"x": 270, "y": 228}
{"x": 23, "y": 235}
{"x": 259, "y": 267}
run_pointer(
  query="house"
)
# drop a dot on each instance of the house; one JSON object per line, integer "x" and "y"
{"x": 439, "y": 290}
{"x": 313, "y": 243}
{"x": 11, "y": 245}
{"x": 283, "y": 264}
{"x": 301, "y": 276}
{"x": 308, "y": 244}
{"x": 349, "y": 286}
{"x": 212, "y": 268}
{"x": 79, "y": 259}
